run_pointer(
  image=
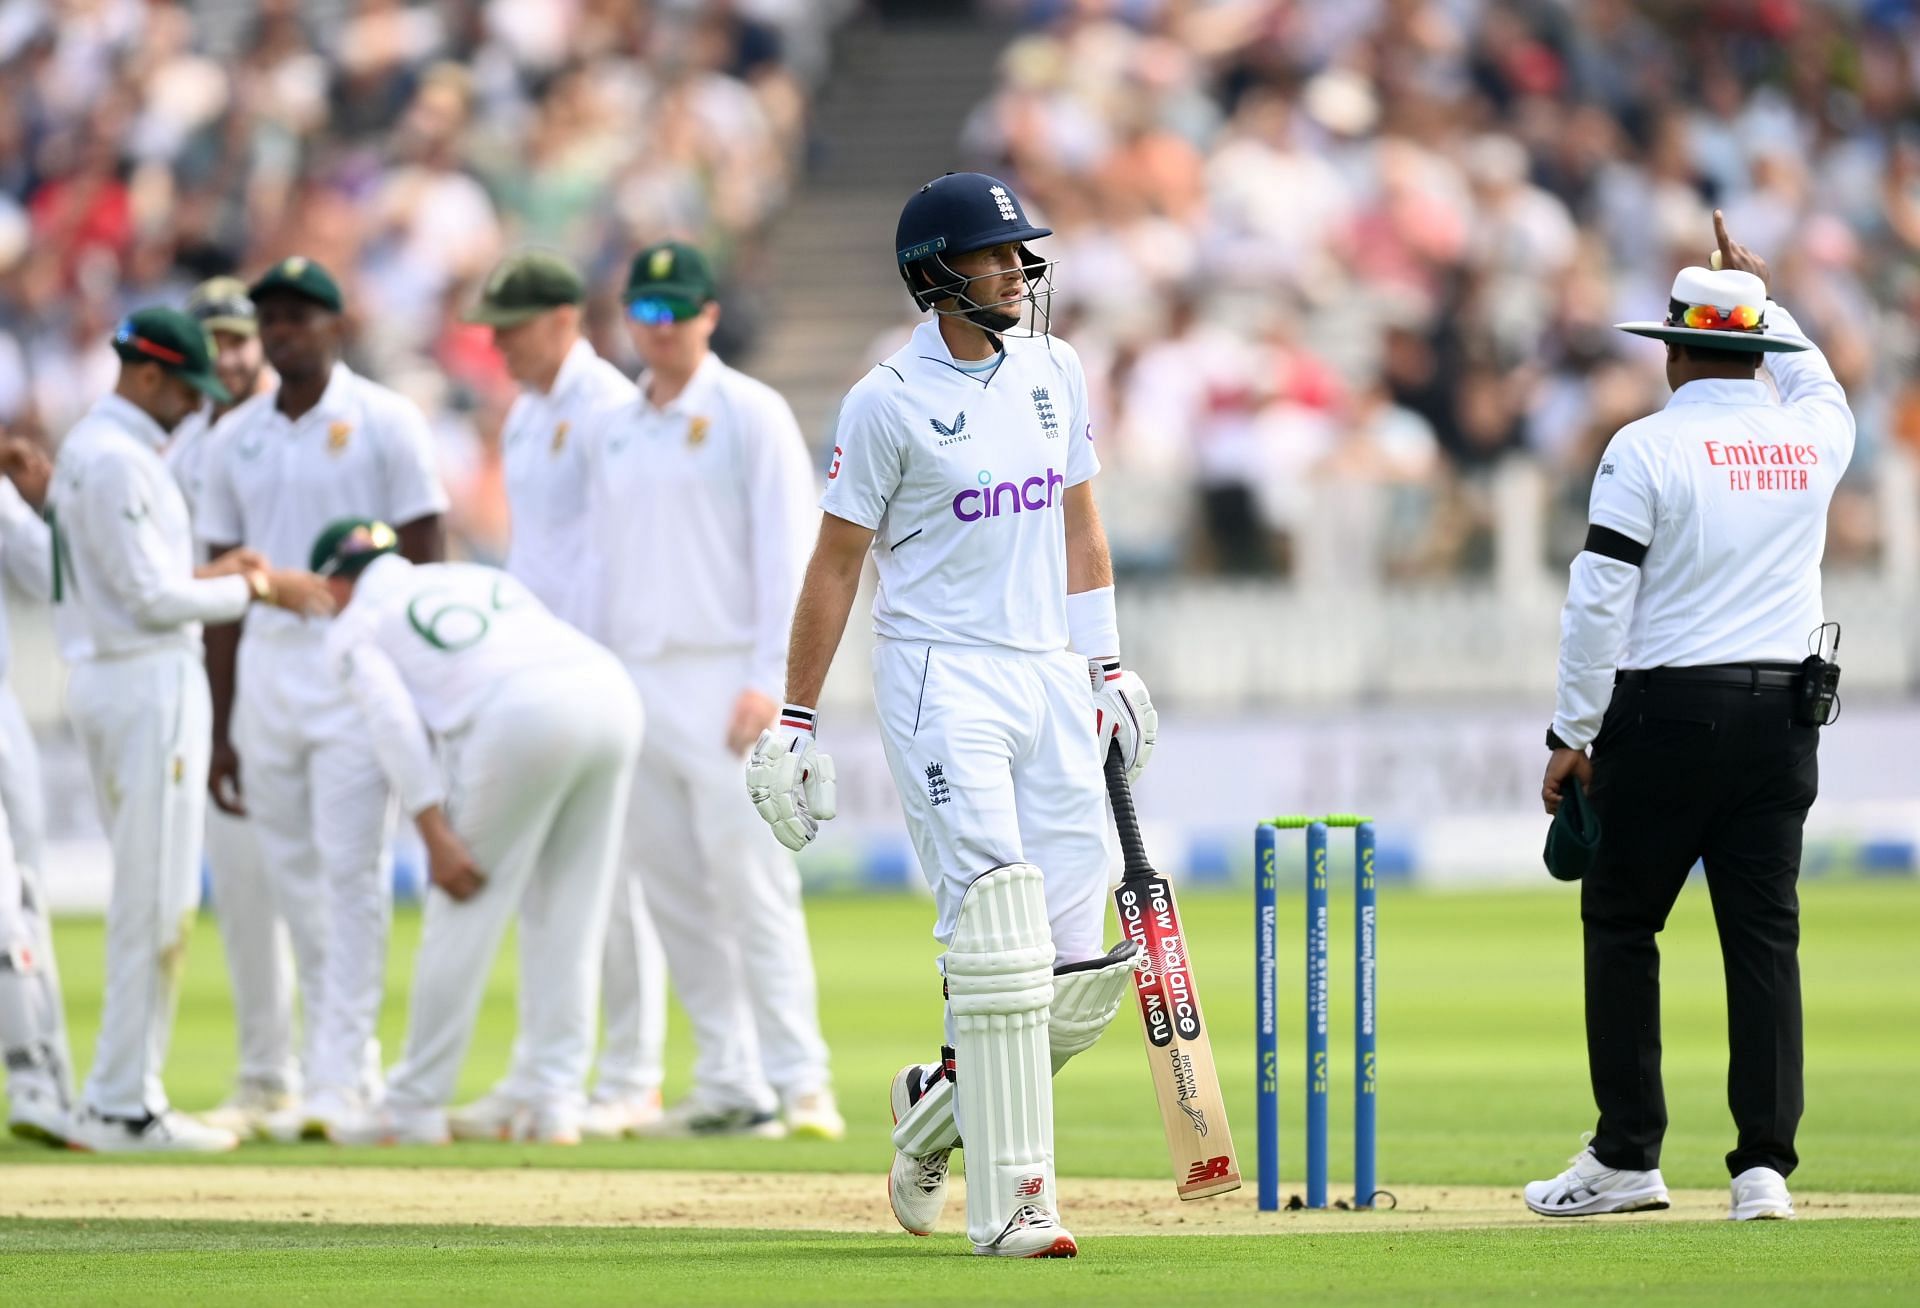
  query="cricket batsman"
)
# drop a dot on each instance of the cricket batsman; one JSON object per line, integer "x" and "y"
{"x": 963, "y": 464}
{"x": 536, "y": 729}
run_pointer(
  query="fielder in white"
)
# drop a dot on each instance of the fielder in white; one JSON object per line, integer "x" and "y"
{"x": 532, "y": 303}
{"x": 700, "y": 505}
{"x": 963, "y": 464}
{"x": 128, "y": 606}
{"x": 259, "y": 951}
{"x": 33, "y": 1027}
{"x": 322, "y": 444}
{"x": 537, "y": 729}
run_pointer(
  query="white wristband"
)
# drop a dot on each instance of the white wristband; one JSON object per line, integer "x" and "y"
{"x": 1093, "y": 625}
{"x": 797, "y": 717}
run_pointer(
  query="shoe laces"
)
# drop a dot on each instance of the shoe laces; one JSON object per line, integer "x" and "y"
{"x": 1031, "y": 1215}
{"x": 933, "y": 1171}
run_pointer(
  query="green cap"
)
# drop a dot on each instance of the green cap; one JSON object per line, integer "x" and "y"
{"x": 350, "y": 544}
{"x": 301, "y": 276}
{"x": 669, "y": 281}
{"x": 526, "y": 285}
{"x": 223, "y": 305}
{"x": 1573, "y": 840}
{"x": 173, "y": 340}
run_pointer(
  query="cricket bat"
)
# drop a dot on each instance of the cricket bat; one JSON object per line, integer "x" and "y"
{"x": 1178, "y": 1049}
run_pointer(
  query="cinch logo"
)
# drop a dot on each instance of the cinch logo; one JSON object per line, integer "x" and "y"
{"x": 991, "y": 501}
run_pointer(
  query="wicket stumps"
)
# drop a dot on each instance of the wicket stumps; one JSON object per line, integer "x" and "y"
{"x": 1267, "y": 1041}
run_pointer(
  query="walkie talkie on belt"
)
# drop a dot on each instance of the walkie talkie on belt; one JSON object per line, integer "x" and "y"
{"x": 1816, "y": 695}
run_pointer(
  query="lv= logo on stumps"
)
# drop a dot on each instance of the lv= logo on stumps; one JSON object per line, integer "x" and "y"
{"x": 1319, "y": 985}
{"x": 1179, "y": 1050}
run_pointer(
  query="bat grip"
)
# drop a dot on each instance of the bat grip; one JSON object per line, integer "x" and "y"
{"x": 1132, "y": 848}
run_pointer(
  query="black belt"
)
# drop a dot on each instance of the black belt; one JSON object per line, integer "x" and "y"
{"x": 1755, "y": 677}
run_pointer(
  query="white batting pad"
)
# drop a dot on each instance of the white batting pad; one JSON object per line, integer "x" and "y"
{"x": 1086, "y": 996}
{"x": 999, "y": 985}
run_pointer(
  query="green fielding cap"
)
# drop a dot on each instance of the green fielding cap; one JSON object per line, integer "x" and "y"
{"x": 175, "y": 341}
{"x": 350, "y": 544}
{"x": 526, "y": 285}
{"x": 1574, "y": 838}
{"x": 301, "y": 276}
{"x": 674, "y": 274}
{"x": 223, "y": 305}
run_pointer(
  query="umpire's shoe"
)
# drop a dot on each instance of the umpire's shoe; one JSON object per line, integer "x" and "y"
{"x": 917, "y": 1185}
{"x": 1760, "y": 1194}
{"x": 1589, "y": 1187}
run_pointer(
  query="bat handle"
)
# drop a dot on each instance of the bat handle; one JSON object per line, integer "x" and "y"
{"x": 1132, "y": 848}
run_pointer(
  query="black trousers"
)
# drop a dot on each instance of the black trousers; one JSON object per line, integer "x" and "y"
{"x": 1685, "y": 772}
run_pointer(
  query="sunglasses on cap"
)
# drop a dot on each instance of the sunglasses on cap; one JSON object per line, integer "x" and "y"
{"x": 358, "y": 543}
{"x": 658, "y": 310}
{"x": 1705, "y": 317}
{"x": 226, "y": 306}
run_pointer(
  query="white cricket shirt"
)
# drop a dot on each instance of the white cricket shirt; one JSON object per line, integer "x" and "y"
{"x": 422, "y": 648}
{"x": 962, "y": 478}
{"x": 274, "y": 484}
{"x": 186, "y": 456}
{"x": 123, "y": 555}
{"x": 702, "y": 519}
{"x": 26, "y": 555}
{"x": 1728, "y": 490}
{"x": 547, "y": 479}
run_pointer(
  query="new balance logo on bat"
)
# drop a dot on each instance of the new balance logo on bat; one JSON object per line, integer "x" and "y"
{"x": 1210, "y": 1169}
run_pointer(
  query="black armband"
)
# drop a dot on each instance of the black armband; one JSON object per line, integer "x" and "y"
{"x": 1611, "y": 544}
{"x": 1554, "y": 741}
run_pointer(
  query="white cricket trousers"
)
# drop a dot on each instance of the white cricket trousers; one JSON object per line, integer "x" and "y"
{"x": 323, "y": 815}
{"x": 538, "y": 790}
{"x": 994, "y": 755}
{"x": 33, "y": 1029}
{"x": 145, "y": 722}
{"x": 258, "y": 949}
{"x": 723, "y": 892}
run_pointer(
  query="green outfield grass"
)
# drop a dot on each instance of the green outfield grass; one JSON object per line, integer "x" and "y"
{"x": 1482, "y": 1082}
{"x": 154, "y": 1264}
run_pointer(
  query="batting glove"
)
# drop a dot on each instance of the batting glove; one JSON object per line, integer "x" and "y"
{"x": 789, "y": 781}
{"x": 1122, "y": 711}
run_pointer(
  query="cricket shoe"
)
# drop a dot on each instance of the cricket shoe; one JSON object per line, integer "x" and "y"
{"x": 550, "y": 1123}
{"x": 917, "y": 1185}
{"x": 815, "y": 1116}
{"x": 618, "y": 1118}
{"x": 156, "y": 1133}
{"x": 1033, "y": 1232}
{"x": 1760, "y": 1194}
{"x": 493, "y": 1116}
{"x": 246, "y": 1111}
{"x": 388, "y": 1125}
{"x": 1589, "y": 1187}
{"x": 314, "y": 1117}
{"x": 36, "y": 1112}
{"x": 690, "y": 1119}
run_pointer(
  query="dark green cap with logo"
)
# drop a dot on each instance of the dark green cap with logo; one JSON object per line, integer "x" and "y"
{"x": 669, "y": 280}
{"x": 175, "y": 341}
{"x": 349, "y": 544}
{"x": 223, "y": 305}
{"x": 524, "y": 286}
{"x": 300, "y": 276}
{"x": 1573, "y": 841}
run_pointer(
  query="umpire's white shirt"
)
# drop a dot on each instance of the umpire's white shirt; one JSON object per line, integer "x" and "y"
{"x": 422, "y": 649}
{"x": 547, "y": 480}
{"x": 123, "y": 544}
{"x": 275, "y": 484}
{"x": 701, "y": 522}
{"x": 1728, "y": 490}
{"x": 961, "y": 476}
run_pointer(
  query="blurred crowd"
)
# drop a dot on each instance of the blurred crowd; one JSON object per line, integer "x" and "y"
{"x": 1367, "y": 254}
{"x": 145, "y": 145}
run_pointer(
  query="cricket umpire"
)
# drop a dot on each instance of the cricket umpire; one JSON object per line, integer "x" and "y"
{"x": 1690, "y": 663}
